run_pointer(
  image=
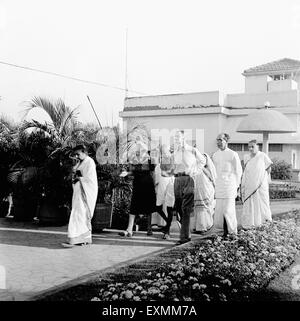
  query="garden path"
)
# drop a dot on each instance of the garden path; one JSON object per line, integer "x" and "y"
{"x": 33, "y": 262}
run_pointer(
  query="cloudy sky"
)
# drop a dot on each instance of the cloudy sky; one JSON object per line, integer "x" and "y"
{"x": 173, "y": 47}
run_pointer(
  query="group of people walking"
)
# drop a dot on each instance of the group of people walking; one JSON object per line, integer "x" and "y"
{"x": 198, "y": 189}
{"x": 201, "y": 190}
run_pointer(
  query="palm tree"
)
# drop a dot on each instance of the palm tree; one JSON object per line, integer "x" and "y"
{"x": 63, "y": 119}
{"x": 42, "y": 151}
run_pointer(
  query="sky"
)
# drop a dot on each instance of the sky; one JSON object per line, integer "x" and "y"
{"x": 172, "y": 47}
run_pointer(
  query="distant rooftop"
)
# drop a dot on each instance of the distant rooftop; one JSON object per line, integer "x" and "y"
{"x": 281, "y": 65}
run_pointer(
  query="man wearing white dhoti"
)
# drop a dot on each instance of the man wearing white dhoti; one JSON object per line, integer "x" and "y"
{"x": 229, "y": 171}
{"x": 204, "y": 195}
{"x": 255, "y": 187}
{"x": 85, "y": 190}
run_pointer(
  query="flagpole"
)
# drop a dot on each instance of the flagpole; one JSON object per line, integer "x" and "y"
{"x": 126, "y": 76}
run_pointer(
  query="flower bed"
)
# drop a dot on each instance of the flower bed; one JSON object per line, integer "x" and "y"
{"x": 217, "y": 270}
{"x": 282, "y": 191}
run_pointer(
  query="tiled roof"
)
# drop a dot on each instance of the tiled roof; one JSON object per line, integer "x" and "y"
{"x": 278, "y": 65}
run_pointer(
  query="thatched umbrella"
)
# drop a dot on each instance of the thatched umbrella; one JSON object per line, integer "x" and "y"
{"x": 267, "y": 122}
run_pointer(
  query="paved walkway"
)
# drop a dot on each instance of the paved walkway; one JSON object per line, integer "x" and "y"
{"x": 35, "y": 261}
{"x": 32, "y": 260}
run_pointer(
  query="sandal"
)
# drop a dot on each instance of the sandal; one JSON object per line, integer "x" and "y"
{"x": 67, "y": 245}
{"x": 126, "y": 233}
{"x": 83, "y": 244}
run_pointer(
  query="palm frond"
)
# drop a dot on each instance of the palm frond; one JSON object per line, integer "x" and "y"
{"x": 36, "y": 125}
{"x": 14, "y": 175}
{"x": 46, "y": 105}
{"x": 68, "y": 123}
{"x": 62, "y": 116}
{"x": 7, "y": 124}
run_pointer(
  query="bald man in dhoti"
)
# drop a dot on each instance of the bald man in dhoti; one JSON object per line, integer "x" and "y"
{"x": 229, "y": 172}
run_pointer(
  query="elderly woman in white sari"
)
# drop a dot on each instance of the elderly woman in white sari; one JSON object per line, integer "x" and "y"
{"x": 204, "y": 195}
{"x": 255, "y": 188}
{"x": 85, "y": 190}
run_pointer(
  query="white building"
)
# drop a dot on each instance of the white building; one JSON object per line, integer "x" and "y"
{"x": 277, "y": 82}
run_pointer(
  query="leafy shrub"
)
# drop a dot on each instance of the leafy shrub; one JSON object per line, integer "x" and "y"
{"x": 7, "y": 155}
{"x": 280, "y": 169}
{"x": 282, "y": 192}
{"x": 217, "y": 270}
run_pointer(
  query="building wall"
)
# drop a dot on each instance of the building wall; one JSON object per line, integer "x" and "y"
{"x": 282, "y": 85}
{"x": 296, "y": 78}
{"x": 210, "y": 123}
{"x": 279, "y": 99}
{"x": 173, "y": 112}
{"x": 256, "y": 84}
{"x": 209, "y": 98}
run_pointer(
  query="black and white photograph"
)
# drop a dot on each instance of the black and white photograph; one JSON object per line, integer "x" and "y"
{"x": 150, "y": 154}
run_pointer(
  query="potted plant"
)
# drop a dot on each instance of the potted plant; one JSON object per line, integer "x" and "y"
{"x": 23, "y": 176}
{"x": 103, "y": 210}
{"x": 24, "y": 187}
{"x": 38, "y": 178}
{"x": 56, "y": 189}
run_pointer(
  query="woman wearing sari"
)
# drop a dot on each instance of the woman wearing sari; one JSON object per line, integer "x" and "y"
{"x": 85, "y": 190}
{"x": 255, "y": 188}
{"x": 204, "y": 195}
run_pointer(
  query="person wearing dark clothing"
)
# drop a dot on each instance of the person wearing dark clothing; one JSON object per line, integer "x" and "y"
{"x": 143, "y": 199}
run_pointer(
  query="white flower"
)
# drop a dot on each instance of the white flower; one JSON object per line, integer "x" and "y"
{"x": 128, "y": 294}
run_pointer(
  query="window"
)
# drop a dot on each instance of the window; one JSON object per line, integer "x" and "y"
{"x": 241, "y": 147}
{"x": 275, "y": 147}
{"x": 281, "y": 76}
{"x": 236, "y": 147}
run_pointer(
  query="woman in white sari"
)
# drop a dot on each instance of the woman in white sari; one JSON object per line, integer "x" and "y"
{"x": 255, "y": 188}
{"x": 85, "y": 190}
{"x": 204, "y": 195}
